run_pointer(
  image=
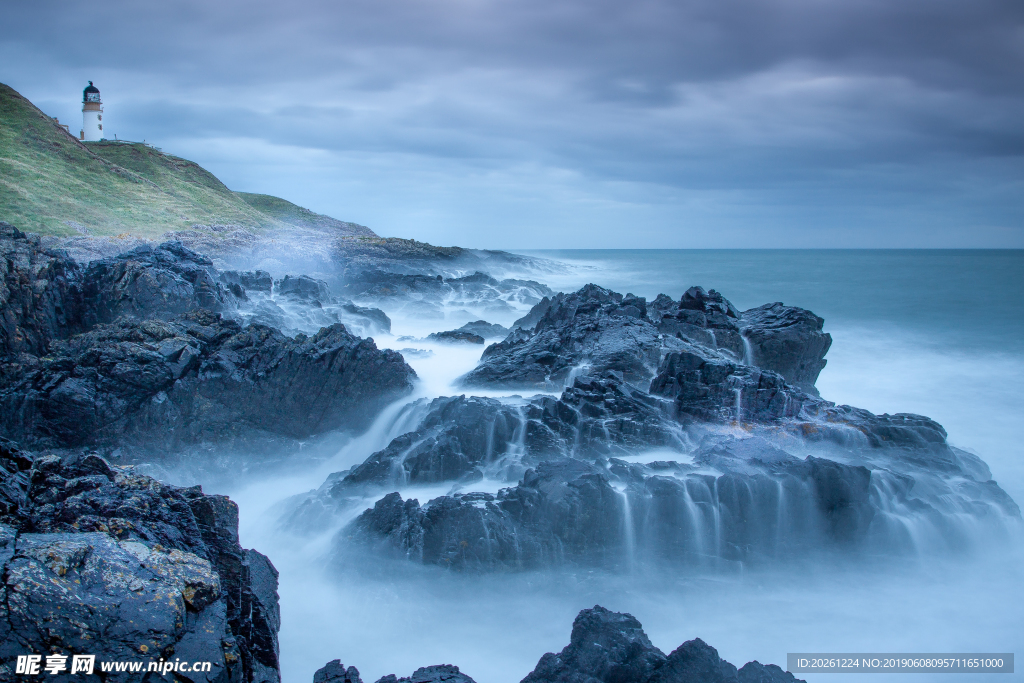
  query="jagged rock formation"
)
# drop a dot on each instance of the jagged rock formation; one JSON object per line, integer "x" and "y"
{"x": 468, "y": 438}
{"x": 130, "y": 352}
{"x": 605, "y": 647}
{"x": 871, "y": 482}
{"x": 485, "y": 329}
{"x": 104, "y": 561}
{"x": 40, "y": 299}
{"x": 456, "y": 337}
{"x": 335, "y": 672}
{"x": 149, "y": 282}
{"x": 196, "y": 379}
{"x": 595, "y": 330}
{"x": 786, "y": 340}
{"x": 751, "y": 468}
{"x": 592, "y": 329}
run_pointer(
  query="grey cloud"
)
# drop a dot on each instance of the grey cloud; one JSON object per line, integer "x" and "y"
{"x": 799, "y": 103}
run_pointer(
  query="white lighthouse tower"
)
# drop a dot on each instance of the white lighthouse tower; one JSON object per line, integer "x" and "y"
{"x": 92, "y": 114}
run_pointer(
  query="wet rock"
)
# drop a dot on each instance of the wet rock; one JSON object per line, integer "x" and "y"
{"x": 101, "y": 560}
{"x": 196, "y": 379}
{"x": 737, "y": 499}
{"x": 304, "y": 288}
{"x": 787, "y": 340}
{"x": 485, "y": 329}
{"x": 335, "y": 672}
{"x": 250, "y": 280}
{"x": 153, "y": 282}
{"x": 439, "y": 673}
{"x": 604, "y": 646}
{"x": 610, "y": 647}
{"x": 703, "y": 317}
{"x": 712, "y": 388}
{"x": 40, "y": 294}
{"x": 464, "y": 438}
{"x": 456, "y": 337}
{"x": 593, "y": 330}
{"x": 564, "y": 511}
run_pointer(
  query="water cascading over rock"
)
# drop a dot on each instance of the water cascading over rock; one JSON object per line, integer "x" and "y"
{"x": 751, "y": 467}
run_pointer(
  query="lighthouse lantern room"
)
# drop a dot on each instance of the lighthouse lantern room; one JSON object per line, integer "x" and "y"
{"x": 92, "y": 114}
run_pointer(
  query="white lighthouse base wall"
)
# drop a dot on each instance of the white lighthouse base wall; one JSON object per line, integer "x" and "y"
{"x": 92, "y": 125}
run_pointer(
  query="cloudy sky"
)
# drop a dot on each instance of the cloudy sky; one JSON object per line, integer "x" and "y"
{"x": 570, "y": 123}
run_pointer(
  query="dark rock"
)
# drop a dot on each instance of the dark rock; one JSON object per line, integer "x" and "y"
{"x": 529, "y": 321}
{"x": 705, "y": 318}
{"x": 40, "y": 294}
{"x": 463, "y": 438}
{"x": 376, "y": 316}
{"x": 764, "y": 505}
{"x": 439, "y": 673}
{"x": 485, "y": 329}
{"x": 101, "y": 560}
{"x": 335, "y": 672}
{"x": 566, "y": 510}
{"x": 710, "y": 388}
{"x": 379, "y": 284}
{"x": 611, "y": 647}
{"x": 594, "y": 329}
{"x": 605, "y": 646}
{"x": 150, "y": 282}
{"x": 456, "y": 337}
{"x": 196, "y": 379}
{"x": 697, "y": 662}
{"x": 257, "y": 281}
{"x": 304, "y": 288}
{"x": 787, "y": 340}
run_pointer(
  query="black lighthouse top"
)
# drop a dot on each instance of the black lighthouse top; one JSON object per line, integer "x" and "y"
{"x": 91, "y": 93}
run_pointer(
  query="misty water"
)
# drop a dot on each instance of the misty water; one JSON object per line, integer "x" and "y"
{"x": 937, "y": 333}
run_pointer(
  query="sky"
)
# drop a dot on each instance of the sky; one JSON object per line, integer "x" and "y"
{"x": 534, "y": 124}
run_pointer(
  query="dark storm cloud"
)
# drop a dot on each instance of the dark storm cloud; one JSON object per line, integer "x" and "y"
{"x": 803, "y": 104}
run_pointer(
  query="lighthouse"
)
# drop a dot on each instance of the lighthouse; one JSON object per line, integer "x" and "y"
{"x": 92, "y": 114}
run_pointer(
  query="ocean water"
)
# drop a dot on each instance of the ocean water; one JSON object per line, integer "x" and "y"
{"x": 934, "y": 332}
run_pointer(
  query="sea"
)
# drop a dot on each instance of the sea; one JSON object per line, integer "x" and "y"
{"x": 933, "y": 332}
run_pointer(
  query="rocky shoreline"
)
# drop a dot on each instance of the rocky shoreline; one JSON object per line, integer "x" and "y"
{"x": 163, "y": 354}
{"x": 605, "y": 647}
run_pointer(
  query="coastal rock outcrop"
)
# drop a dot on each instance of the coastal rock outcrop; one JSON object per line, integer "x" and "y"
{"x": 335, "y": 672}
{"x": 196, "y": 379}
{"x": 594, "y": 330}
{"x": 99, "y": 560}
{"x": 468, "y": 439}
{"x": 131, "y": 352}
{"x": 456, "y": 337}
{"x": 590, "y": 331}
{"x": 40, "y": 294}
{"x": 153, "y": 282}
{"x": 786, "y": 340}
{"x": 605, "y": 647}
{"x": 485, "y": 329}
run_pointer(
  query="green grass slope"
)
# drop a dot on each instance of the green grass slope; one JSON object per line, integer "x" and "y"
{"x": 53, "y": 184}
{"x": 292, "y": 214}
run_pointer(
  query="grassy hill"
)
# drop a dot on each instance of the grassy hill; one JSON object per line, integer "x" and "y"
{"x": 53, "y": 184}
